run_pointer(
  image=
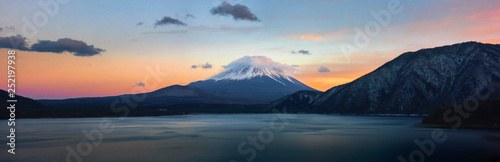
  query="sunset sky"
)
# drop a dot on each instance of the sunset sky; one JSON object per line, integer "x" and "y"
{"x": 123, "y": 39}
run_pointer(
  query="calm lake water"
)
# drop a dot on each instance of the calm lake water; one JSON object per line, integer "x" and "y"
{"x": 305, "y": 137}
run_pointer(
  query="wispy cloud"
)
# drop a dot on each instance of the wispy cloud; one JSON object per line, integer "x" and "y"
{"x": 336, "y": 34}
{"x": 490, "y": 15}
{"x": 204, "y": 66}
{"x": 209, "y": 29}
{"x": 486, "y": 25}
{"x": 189, "y": 16}
{"x": 166, "y": 32}
{"x": 311, "y": 37}
{"x": 304, "y": 52}
{"x": 140, "y": 84}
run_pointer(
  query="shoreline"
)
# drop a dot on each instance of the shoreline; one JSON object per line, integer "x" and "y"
{"x": 475, "y": 126}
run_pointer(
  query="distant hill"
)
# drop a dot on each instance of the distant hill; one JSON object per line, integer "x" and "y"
{"x": 415, "y": 82}
{"x": 156, "y": 99}
{"x": 25, "y": 107}
{"x": 297, "y": 102}
{"x": 170, "y": 100}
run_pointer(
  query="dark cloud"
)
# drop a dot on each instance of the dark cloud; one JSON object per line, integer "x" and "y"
{"x": 139, "y": 24}
{"x": 304, "y": 52}
{"x": 1, "y": 29}
{"x": 239, "y": 12}
{"x": 168, "y": 20}
{"x": 323, "y": 69}
{"x": 204, "y": 66}
{"x": 140, "y": 84}
{"x": 15, "y": 42}
{"x": 78, "y": 48}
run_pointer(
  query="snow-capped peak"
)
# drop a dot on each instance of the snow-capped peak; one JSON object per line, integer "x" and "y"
{"x": 256, "y": 66}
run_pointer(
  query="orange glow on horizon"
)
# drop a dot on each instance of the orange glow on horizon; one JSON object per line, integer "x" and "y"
{"x": 49, "y": 75}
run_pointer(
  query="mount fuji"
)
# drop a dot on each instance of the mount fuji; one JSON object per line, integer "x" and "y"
{"x": 256, "y": 78}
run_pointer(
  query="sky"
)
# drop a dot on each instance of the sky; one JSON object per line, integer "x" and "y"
{"x": 83, "y": 48}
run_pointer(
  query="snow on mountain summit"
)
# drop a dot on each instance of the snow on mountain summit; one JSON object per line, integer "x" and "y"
{"x": 256, "y": 66}
{"x": 253, "y": 78}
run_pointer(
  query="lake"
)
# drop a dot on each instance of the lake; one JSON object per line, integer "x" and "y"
{"x": 238, "y": 137}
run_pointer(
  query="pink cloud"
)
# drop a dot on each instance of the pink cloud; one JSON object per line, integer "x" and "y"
{"x": 490, "y": 15}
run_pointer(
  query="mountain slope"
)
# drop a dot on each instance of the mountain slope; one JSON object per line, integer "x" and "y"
{"x": 297, "y": 102}
{"x": 179, "y": 91}
{"x": 417, "y": 82}
{"x": 253, "y": 78}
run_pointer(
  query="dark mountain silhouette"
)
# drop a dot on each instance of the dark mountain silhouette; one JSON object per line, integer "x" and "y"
{"x": 25, "y": 107}
{"x": 170, "y": 100}
{"x": 156, "y": 99}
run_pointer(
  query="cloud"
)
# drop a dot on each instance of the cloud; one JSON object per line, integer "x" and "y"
{"x": 490, "y": 15}
{"x": 295, "y": 65}
{"x": 323, "y": 69}
{"x": 140, "y": 84}
{"x": 311, "y": 37}
{"x": 484, "y": 26}
{"x": 239, "y": 12}
{"x": 168, "y": 20}
{"x": 78, "y": 48}
{"x": 166, "y": 32}
{"x": 139, "y": 24}
{"x": 189, "y": 16}
{"x": 204, "y": 66}
{"x": 208, "y": 29}
{"x": 15, "y": 42}
{"x": 328, "y": 35}
{"x": 1, "y": 29}
{"x": 304, "y": 52}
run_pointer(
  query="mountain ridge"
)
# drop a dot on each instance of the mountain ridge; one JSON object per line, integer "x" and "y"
{"x": 399, "y": 86}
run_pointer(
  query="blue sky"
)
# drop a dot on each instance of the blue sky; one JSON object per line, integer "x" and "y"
{"x": 317, "y": 26}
